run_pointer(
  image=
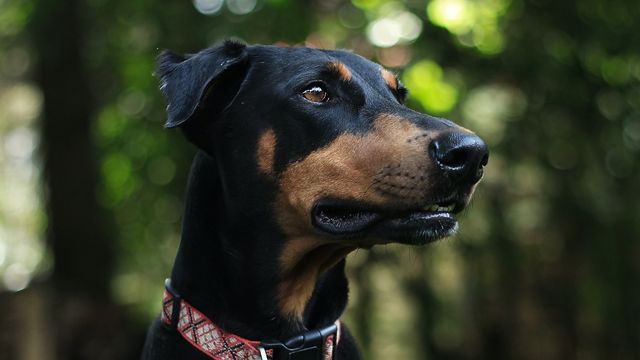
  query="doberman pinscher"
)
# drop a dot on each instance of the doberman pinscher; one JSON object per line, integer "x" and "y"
{"x": 304, "y": 156}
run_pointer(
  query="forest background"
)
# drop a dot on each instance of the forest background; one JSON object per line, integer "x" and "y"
{"x": 547, "y": 262}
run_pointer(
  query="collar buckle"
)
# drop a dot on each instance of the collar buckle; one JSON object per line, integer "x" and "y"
{"x": 306, "y": 346}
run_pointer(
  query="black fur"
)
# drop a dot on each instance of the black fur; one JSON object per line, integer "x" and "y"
{"x": 223, "y": 98}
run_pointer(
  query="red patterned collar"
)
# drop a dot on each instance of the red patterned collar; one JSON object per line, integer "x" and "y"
{"x": 218, "y": 344}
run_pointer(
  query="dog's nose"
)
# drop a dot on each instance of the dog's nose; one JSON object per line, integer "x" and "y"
{"x": 461, "y": 155}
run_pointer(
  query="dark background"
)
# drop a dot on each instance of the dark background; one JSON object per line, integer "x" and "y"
{"x": 547, "y": 262}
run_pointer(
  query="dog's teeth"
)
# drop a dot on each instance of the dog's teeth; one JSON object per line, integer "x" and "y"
{"x": 438, "y": 208}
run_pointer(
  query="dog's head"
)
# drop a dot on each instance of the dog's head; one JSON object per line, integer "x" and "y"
{"x": 326, "y": 135}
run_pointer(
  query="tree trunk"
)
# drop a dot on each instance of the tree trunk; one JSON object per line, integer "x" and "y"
{"x": 87, "y": 325}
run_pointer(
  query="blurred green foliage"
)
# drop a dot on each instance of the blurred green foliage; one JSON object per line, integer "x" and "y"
{"x": 547, "y": 263}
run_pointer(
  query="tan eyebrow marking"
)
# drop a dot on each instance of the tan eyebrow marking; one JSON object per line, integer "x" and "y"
{"x": 340, "y": 69}
{"x": 389, "y": 78}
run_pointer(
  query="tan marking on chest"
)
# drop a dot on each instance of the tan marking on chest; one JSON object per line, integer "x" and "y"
{"x": 303, "y": 261}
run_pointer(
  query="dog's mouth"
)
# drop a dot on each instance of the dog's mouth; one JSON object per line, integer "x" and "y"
{"x": 418, "y": 225}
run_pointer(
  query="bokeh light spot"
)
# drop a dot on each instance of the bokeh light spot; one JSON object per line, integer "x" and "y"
{"x": 488, "y": 41}
{"x": 397, "y": 56}
{"x": 119, "y": 181}
{"x": 241, "y": 7}
{"x": 384, "y": 32}
{"x": 456, "y": 16}
{"x": 16, "y": 277}
{"x": 631, "y": 135}
{"x": 558, "y": 45}
{"x": 562, "y": 155}
{"x": 488, "y": 107}
{"x": 611, "y": 104}
{"x": 425, "y": 80}
{"x": 615, "y": 71}
{"x": 208, "y": 7}
{"x": 619, "y": 163}
{"x": 20, "y": 143}
{"x": 161, "y": 170}
{"x": 475, "y": 23}
{"x": 21, "y": 102}
{"x": 16, "y": 62}
{"x": 400, "y": 27}
{"x": 351, "y": 17}
{"x": 367, "y": 4}
{"x": 132, "y": 103}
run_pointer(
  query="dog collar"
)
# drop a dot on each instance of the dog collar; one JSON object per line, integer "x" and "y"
{"x": 218, "y": 344}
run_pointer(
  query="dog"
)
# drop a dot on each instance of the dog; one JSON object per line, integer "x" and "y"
{"x": 304, "y": 155}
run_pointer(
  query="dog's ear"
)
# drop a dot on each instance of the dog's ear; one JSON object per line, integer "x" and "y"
{"x": 188, "y": 82}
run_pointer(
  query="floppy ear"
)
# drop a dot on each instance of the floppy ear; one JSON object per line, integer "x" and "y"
{"x": 188, "y": 81}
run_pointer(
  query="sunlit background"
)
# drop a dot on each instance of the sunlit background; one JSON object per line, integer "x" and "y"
{"x": 547, "y": 262}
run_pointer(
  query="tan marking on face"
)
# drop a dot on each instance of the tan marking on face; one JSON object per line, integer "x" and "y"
{"x": 390, "y": 78}
{"x": 345, "y": 169}
{"x": 340, "y": 69}
{"x": 266, "y": 151}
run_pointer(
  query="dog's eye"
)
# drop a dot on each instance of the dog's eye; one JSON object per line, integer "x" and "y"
{"x": 316, "y": 93}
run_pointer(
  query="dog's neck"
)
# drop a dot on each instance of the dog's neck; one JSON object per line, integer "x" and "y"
{"x": 226, "y": 265}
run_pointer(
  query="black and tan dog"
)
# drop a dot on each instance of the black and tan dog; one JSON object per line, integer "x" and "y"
{"x": 305, "y": 155}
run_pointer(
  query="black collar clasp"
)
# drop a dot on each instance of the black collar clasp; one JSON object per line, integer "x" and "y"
{"x": 306, "y": 346}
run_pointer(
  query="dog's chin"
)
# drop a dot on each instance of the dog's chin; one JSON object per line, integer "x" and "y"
{"x": 369, "y": 225}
